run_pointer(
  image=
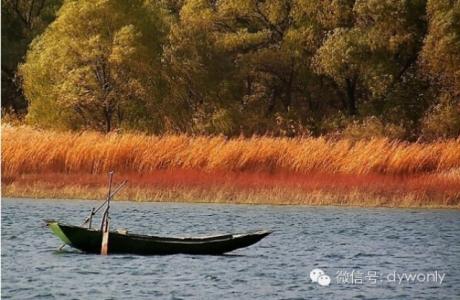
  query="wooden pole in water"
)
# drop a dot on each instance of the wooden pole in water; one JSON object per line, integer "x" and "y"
{"x": 94, "y": 211}
{"x": 105, "y": 236}
{"x": 105, "y": 221}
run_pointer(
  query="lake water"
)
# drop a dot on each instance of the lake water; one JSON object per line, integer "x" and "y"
{"x": 365, "y": 252}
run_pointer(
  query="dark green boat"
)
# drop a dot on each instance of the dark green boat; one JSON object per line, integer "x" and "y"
{"x": 106, "y": 242}
{"x": 89, "y": 240}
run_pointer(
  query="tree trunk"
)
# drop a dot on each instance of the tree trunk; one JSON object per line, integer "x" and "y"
{"x": 272, "y": 101}
{"x": 351, "y": 96}
{"x": 288, "y": 89}
{"x": 108, "y": 120}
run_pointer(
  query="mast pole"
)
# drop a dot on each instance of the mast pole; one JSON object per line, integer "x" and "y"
{"x": 105, "y": 220}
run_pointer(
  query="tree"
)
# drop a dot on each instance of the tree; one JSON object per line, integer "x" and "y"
{"x": 98, "y": 66}
{"x": 342, "y": 57}
{"x": 440, "y": 58}
{"x": 441, "y": 50}
{"x": 377, "y": 45}
{"x": 234, "y": 67}
{"x": 197, "y": 70}
{"x": 22, "y": 20}
{"x": 241, "y": 63}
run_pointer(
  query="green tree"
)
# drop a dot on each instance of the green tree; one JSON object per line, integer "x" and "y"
{"x": 98, "y": 65}
{"x": 272, "y": 46}
{"x": 441, "y": 61}
{"x": 22, "y": 20}
{"x": 248, "y": 67}
{"x": 241, "y": 64}
{"x": 197, "y": 70}
{"x": 377, "y": 45}
{"x": 441, "y": 50}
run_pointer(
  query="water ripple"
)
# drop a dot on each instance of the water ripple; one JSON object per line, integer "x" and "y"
{"x": 334, "y": 239}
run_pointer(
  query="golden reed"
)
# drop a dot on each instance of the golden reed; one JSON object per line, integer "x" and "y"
{"x": 27, "y": 150}
{"x": 244, "y": 170}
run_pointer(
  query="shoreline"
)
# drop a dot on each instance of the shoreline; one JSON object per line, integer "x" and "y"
{"x": 172, "y": 201}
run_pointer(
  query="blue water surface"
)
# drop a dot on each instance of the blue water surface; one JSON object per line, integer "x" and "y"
{"x": 365, "y": 252}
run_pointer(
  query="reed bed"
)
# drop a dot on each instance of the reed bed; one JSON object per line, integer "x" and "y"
{"x": 26, "y": 150}
{"x": 315, "y": 171}
{"x": 247, "y": 188}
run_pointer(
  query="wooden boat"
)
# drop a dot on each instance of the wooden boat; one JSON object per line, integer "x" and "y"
{"x": 106, "y": 242}
{"x": 89, "y": 240}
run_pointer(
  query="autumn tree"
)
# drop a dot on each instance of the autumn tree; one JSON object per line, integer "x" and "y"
{"x": 241, "y": 63}
{"x": 441, "y": 51}
{"x": 22, "y": 20}
{"x": 269, "y": 47}
{"x": 441, "y": 61}
{"x": 375, "y": 48}
{"x": 98, "y": 66}
{"x": 291, "y": 67}
{"x": 197, "y": 70}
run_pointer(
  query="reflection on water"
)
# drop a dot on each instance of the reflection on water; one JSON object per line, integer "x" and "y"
{"x": 340, "y": 241}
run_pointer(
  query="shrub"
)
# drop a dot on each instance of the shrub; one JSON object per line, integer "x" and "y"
{"x": 372, "y": 127}
{"x": 442, "y": 120}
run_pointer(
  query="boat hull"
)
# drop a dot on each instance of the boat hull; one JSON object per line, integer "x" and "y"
{"x": 89, "y": 240}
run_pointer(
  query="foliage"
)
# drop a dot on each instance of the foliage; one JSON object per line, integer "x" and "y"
{"x": 372, "y": 127}
{"x": 245, "y": 67}
{"x": 100, "y": 71}
{"x": 442, "y": 120}
{"x": 441, "y": 60}
{"x": 22, "y": 20}
{"x": 441, "y": 51}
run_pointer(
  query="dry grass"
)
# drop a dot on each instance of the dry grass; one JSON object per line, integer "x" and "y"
{"x": 26, "y": 150}
{"x": 161, "y": 186}
{"x": 377, "y": 172}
